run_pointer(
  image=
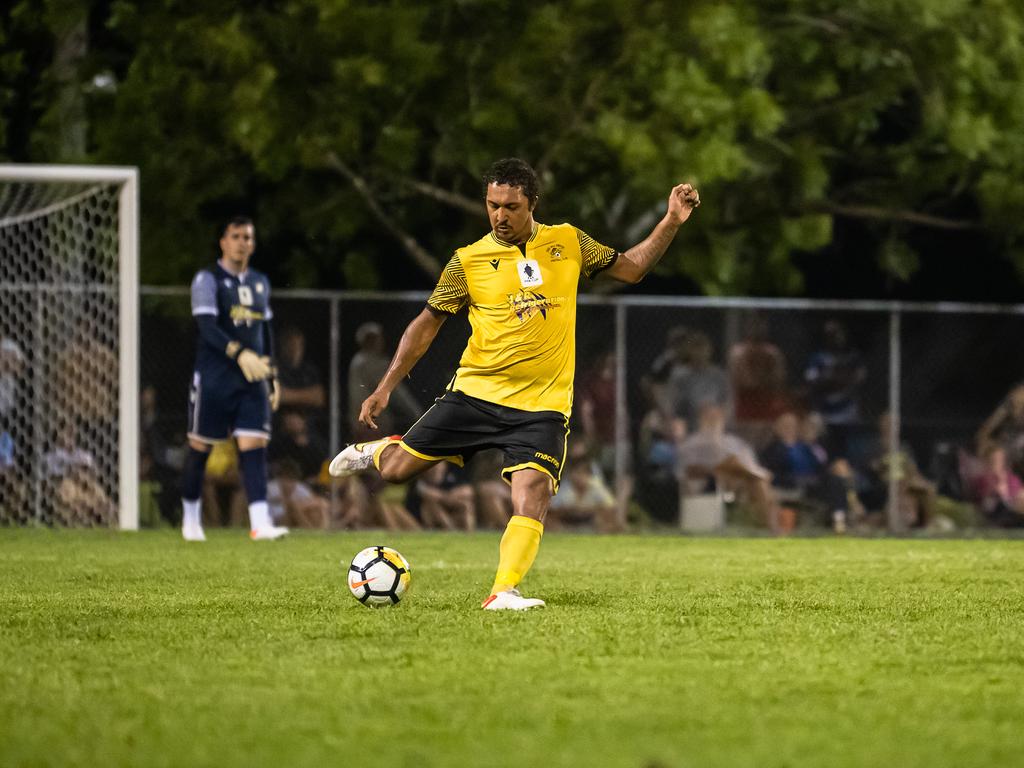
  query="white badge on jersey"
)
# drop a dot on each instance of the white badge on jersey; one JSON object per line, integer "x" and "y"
{"x": 529, "y": 273}
{"x": 245, "y": 295}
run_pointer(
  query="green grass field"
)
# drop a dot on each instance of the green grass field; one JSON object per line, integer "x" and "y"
{"x": 137, "y": 649}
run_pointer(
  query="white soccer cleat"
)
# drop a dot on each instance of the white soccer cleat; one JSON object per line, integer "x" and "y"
{"x": 357, "y": 457}
{"x": 511, "y": 600}
{"x": 192, "y": 532}
{"x": 268, "y": 533}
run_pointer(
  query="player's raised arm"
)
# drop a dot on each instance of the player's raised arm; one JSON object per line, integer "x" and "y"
{"x": 414, "y": 343}
{"x": 634, "y": 264}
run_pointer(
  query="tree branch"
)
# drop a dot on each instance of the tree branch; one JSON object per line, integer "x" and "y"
{"x": 453, "y": 199}
{"x": 889, "y": 214}
{"x": 424, "y": 260}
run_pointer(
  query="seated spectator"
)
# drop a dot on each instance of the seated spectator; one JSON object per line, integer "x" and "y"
{"x": 713, "y": 458}
{"x": 583, "y": 498}
{"x": 596, "y": 395}
{"x": 672, "y": 361}
{"x": 757, "y": 372}
{"x": 160, "y": 459}
{"x": 292, "y": 502}
{"x": 700, "y": 383}
{"x": 998, "y": 491}
{"x": 361, "y": 507}
{"x": 366, "y": 369}
{"x": 658, "y": 447}
{"x": 1005, "y": 427}
{"x": 295, "y": 440}
{"x": 802, "y": 475}
{"x": 493, "y": 495}
{"x": 835, "y": 375}
{"x": 917, "y": 495}
{"x": 443, "y": 497}
{"x": 224, "y": 501}
{"x": 74, "y": 486}
{"x": 301, "y": 382}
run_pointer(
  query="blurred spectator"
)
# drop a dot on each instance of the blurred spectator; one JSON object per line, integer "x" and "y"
{"x": 12, "y": 366}
{"x": 699, "y": 383}
{"x": 671, "y": 362}
{"x": 73, "y": 483}
{"x": 597, "y": 408}
{"x": 300, "y": 381}
{"x": 367, "y": 368}
{"x": 295, "y": 441}
{"x": 85, "y": 382}
{"x": 160, "y": 459}
{"x": 596, "y": 401}
{"x": 713, "y": 458}
{"x": 292, "y": 502}
{"x": 443, "y": 497}
{"x": 757, "y": 371}
{"x": 363, "y": 508}
{"x": 1005, "y": 427}
{"x": 583, "y": 498}
{"x": 12, "y": 481}
{"x": 998, "y": 491}
{"x": 224, "y": 501}
{"x": 802, "y": 475}
{"x": 658, "y": 489}
{"x": 834, "y": 377}
{"x": 917, "y": 495}
{"x": 493, "y": 495}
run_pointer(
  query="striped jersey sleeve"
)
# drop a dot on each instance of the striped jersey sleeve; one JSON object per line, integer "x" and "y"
{"x": 452, "y": 291}
{"x": 595, "y": 256}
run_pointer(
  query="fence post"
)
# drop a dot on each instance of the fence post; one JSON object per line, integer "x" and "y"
{"x": 621, "y": 418}
{"x": 334, "y": 395}
{"x": 895, "y": 469}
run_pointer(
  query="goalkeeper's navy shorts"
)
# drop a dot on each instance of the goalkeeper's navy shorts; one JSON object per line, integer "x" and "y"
{"x": 216, "y": 413}
{"x": 457, "y": 426}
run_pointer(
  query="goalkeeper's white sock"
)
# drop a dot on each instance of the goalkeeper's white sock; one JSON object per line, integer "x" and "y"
{"x": 259, "y": 515}
{"x": 192, "y": 512}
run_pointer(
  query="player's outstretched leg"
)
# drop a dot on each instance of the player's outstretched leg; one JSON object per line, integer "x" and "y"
{"x": 359, "y": 457}
{"x": 516, "y": 553}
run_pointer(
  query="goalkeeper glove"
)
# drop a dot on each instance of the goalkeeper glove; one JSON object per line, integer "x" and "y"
{"x": 254, "y": 367}
{"x": 274, "y": 392}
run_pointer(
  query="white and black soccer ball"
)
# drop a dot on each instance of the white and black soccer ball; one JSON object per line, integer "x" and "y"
{"x": 379, "y": 576}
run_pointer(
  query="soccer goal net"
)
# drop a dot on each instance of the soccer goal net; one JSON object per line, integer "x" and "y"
{"x": 68, "y": 346}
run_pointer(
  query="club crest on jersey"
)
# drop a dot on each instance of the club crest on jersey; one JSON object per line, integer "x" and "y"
{"x": 529, "y": 273}
{"x": 526, "y": 304}
{"x": 555, "y": 252}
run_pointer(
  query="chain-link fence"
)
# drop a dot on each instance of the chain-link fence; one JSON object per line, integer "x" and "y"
{"x": 857, "y": 377}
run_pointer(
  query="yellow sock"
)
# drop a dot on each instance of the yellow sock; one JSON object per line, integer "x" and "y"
{"x": 518, "y": 548}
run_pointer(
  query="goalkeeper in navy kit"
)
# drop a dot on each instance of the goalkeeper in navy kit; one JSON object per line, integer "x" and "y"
{"x": 233, "y": 389}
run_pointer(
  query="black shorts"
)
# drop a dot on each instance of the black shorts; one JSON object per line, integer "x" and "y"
{"x": 457, "y": 426}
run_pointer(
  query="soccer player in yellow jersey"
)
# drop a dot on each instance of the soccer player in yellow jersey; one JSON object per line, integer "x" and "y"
{"x": 513, "y": 386}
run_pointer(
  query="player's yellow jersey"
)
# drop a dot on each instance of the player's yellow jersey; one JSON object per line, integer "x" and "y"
{"x": 522, "y": 308}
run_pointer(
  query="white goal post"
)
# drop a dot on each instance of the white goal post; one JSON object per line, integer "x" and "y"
{"x": 69, "y": 330}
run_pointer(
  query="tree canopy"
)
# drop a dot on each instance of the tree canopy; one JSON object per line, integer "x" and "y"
{"x": 355, "y": 132}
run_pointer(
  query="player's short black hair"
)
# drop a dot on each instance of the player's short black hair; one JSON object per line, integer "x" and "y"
{"x": 515, "y": 173}
{"x": 236, "y": 221}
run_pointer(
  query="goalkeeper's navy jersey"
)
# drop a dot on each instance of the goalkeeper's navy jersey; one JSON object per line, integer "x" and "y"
{"x": 241, "y": 306}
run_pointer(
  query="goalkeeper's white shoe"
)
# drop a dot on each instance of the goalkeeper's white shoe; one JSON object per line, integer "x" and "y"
{"x": 192, "y": 532}
{"x": 357, "y": 457}
{"x": 511, "y": 600}
{"x": 268, "y": 533}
